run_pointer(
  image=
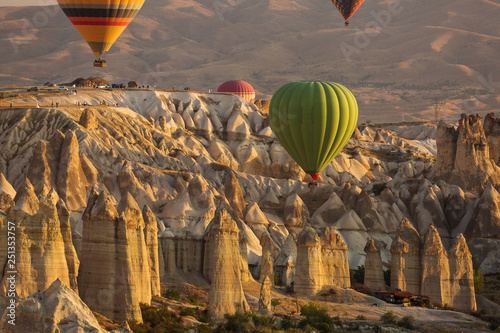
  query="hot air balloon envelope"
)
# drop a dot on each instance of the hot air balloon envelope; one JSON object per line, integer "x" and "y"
{"x": 347, "y": 7}
{"x": 313, "y": 121}
{"x": 240, "y": 88}
{"x": 100, "y": 22}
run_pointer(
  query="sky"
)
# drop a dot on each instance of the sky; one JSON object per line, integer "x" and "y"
{"x": 4, "y": 3}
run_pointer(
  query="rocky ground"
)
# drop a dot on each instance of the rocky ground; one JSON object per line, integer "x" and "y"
{"x": 179, "y": 153}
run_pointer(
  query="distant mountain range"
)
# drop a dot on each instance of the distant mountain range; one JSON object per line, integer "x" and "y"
{"x": 404, "y": 55}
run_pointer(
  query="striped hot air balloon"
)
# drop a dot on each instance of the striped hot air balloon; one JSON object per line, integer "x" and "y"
{"x": 240, "y": 88}
{"x": 100, "y": 22}
{"x": 347, "y": 7}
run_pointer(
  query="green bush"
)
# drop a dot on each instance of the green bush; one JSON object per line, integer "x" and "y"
{"x": 478, "y": 280}
{"x": 316, "y": 316}
{"x": 203, "y": 329}
{"x": 379, "y": 188}
{"x": 407, "y": 322}
{"x": 172, "y": 294}
{"x": 388, "y": 318}
{"x": 203, "y": 317}
{"x": 193, "y": 299}
{"x": 275, "y": 302}
{"x": 360, "y": 317}
{"x": 187, "y": 312}
{"x": 359, "y": 274}
{"x": 287, "y": 324}
{"x": 247, "y": 322}
{"x": 156, "y": 320}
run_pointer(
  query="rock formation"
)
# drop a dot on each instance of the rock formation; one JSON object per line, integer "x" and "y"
{"x": 295, "y": 212}
{"x": 374, "y": 275}
{"x": 334, "y": 263}
{"x": 266, "y": 267}
{"x": 284, "y": 265}
{"x": 69, "y": 249}
{"x": 329, "y": 212}
{"x": 234, "y": 194}
{"x": 7, "y": 194}
{"x": 405, "y": 259}
{"x": 268, "y": 244}
{"x": 151, "y": 237}
{"x": 427, "y": 208}
{"x": 308, "y": 277}
{"x": 56, "y": 309}
{"x": 42, "y": 168}
{"x": 485, "y": 222}
{"x": 71, "y": 181}
{"x": 492, "y": 132}
{"x": 265, "y": 297}
{"x": 114, "y": 271}
{"x": 463, "y": 155}
{"x": 435, "y": 269}
{"x": 320, "y": 262}
{"x": 461, "y": 275}
{"x": 226, "y": 291}
{"x": 168, "y": 247}
{"x": 40, "y": 247}
{"x": 483, "y": 231}
{"x": 88, "y": 119}
{"x": 288, "y": 272}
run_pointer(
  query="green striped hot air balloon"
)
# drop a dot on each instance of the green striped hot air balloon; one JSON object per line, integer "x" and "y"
{"x": 313, "y": 121}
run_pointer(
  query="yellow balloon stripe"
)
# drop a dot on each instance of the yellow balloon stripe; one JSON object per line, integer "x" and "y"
{"x": 99, "y": 37}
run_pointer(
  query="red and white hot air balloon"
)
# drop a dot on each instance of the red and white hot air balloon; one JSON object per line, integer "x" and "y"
{"x": 239, "y": 88}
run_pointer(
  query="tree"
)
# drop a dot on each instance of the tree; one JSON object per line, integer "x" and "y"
{"x": 407, "y": 322}
{"x": 388, "y": 318}
{"x": 478, "y": 280}
{"x": 359, "y": 274}
{"x": 387, "y": 277}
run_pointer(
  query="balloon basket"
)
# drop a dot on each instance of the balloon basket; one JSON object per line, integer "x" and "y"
{"x": 100, "y": 63}
{"x": 312, "y": 185}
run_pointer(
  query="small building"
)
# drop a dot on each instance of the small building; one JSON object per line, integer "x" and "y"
{"x": 404, "y": 298}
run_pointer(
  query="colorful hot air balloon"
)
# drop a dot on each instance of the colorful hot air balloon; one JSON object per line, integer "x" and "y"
{"x": 347, "y": 7}
{"x": 238, "y": 87}
{"x": 100, "y": 22}
{"x": 313, "y": 121}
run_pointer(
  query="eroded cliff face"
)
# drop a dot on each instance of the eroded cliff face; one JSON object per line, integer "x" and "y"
{"x": 320, "y": 262}
{"x": 226, "y": 291}
{"x": 40, "y": 247}
{"x": 446, "y": 278}
{"x": 463, "y": 154}
{"x": 435, "y": 269}
{"x": 405, "y": 260}
{"x": 374, "y": 274}
{"x": 114, "y": 273}
{"x": 461, "y": 275}
{"x": 492, "y": 133}
{"x": 483, "y": 232}
{"x": 334, "y": 262}
{"x": 55, "y": 309}
{"x": 308, "y": 275}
